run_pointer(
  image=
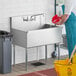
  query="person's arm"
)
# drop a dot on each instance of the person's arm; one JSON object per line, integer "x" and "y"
{"x": 68, "y": 8}
{"x": 63, "y": 19}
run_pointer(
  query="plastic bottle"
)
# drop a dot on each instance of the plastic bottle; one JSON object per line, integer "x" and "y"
{"x": 56, "y": 19}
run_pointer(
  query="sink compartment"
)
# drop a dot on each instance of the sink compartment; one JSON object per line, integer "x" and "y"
{"x": 34, "y": 33}
{"x": 32, "y": 38}
{"x": 45, "y": 26}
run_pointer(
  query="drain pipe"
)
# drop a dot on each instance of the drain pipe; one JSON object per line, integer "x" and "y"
{"x": 54, "y": 52}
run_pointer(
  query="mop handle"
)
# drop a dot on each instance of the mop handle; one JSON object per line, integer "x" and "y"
{"x": 72, "y": 54}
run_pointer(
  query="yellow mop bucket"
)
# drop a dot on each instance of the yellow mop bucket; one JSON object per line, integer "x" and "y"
{"x": 65, "y": 67}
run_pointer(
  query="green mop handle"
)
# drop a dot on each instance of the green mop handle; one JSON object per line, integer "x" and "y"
{"x": 72, "y": 54}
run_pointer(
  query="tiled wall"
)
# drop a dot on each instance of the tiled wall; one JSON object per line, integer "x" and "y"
{"x": 9, "y": 8}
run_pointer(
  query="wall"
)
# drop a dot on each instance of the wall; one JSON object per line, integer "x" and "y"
{"x": 21, "y": 7}
{"x": 9, "y": 8}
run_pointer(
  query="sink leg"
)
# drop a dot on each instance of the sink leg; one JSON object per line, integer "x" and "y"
{"x": 58, "y": 51}
{"x": 13, "y": 54}
{"x": 26, "y": 59}
{"x": 37, "y": 54}
{"x": 45, "y": 52}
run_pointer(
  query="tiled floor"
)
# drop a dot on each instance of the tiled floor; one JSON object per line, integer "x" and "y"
{"x": 19, "y": 69}
{"x": 47, "y": 72}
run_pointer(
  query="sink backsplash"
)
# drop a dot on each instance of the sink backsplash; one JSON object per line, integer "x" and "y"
{"x": 29, "y": 22}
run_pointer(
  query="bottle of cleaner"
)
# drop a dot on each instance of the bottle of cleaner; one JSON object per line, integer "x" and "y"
{"x": 56, "y": 19}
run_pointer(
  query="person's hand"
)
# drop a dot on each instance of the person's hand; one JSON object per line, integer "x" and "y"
{"x": 63, "y": 19}
{"x": 59, "y": 23}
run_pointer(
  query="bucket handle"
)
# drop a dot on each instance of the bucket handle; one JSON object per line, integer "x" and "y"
{"x": 72, "y": 54}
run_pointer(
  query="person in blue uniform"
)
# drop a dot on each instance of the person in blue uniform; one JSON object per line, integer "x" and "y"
{"x": 69, "y": 18}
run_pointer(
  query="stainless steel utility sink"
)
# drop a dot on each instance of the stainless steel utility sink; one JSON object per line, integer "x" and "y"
{"x": 47, "y": 34}
{"x": 27, "y": 33}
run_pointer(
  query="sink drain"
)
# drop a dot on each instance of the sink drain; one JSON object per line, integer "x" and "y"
{"x": 38, "y": 64}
